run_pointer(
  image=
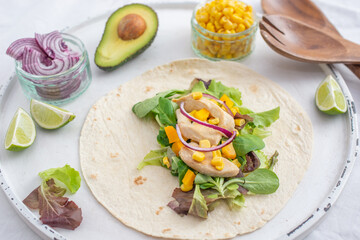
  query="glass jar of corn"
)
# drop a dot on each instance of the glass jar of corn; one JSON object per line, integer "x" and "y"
{"x": 223, "y": 29}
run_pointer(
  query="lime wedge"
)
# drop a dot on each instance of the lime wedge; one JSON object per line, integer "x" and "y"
{"x": 21, "y": 132}
{"x": 329, "y": 97}
{"x": 49, "y": 116}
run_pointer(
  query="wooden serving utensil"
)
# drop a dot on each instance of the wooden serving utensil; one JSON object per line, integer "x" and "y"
{"x": 301, "y": 42}
{"x": 308, "y": 13}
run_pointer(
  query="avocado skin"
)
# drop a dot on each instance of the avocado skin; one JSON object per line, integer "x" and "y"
{"x": 138, "y": 52}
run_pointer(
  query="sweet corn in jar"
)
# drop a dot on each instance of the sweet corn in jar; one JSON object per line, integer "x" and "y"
{"x": 223, "y": 29}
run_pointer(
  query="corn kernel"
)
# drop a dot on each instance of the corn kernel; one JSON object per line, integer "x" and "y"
{"x": 196, "y": 95}
{"x": 233, "y": 110}
{"x": 166, "y": 162}
{"x": 214, "y": 121}
{"x": 239, "y": 121}
{"x": 248, "y": 8}
{"x": 210, "y": 27}
{"x": 220, "y": 166}
{"x": 228, "y": 11}
{"x": 216, "y": 153}
{"x": 217, "y": 161}
{"x": 198, "y": 156}
{"x": 214, "y": 101}
{"x": 202, "y": 114}
{"x": 228, "y": 26}
{"x": 236, "y": 162}
{"x": 204, "y": 143}
{"x": 236, "y": 19}
{"x": 223, "y": 20}
{"x": 186, "y": 188}
{"x": 240, "y": 27}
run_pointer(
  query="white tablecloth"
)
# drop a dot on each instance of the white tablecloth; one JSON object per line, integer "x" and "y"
{"x": 22, "y": 18}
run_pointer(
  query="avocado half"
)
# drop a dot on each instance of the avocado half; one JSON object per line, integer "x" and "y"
{"x": 114, "y": 51}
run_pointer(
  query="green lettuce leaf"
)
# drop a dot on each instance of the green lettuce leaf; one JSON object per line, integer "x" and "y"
{"x": 217, "y": 89}
{"x": 141, "y": 109}
{"x": 260, "y": 181}
{"x": 261, "y": 132}
{"x": 67, "y": 175}
{"x": 154, "y": 157}
{"x": 264, "y": 161}
{"x": 198, "y": 205}
{"x": 265, "y": 119}
{"x": 246, "y": 143}
{"x": 162, "y": 138}
{"x": 237, "y": 202}
{"x": 182, "y": 169}
{"x": 166, "y": 112}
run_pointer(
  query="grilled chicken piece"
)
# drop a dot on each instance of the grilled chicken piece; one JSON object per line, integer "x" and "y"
{"x": 196, "y": 131}
{"x": 205, "y": 167}
{"x": 190, "y": 104}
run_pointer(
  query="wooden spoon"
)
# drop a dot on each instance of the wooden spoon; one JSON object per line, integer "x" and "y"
{"x": 306, "y": 12}
{"x": 301, "y": 42}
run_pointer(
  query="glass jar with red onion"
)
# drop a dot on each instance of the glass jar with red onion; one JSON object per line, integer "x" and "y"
{"x": 58, "y": 81}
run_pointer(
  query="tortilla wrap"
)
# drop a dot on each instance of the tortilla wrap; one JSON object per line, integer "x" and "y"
{"x": 114, "y": 141}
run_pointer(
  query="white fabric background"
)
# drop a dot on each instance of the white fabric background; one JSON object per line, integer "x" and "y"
{"x": 22, "y": 18}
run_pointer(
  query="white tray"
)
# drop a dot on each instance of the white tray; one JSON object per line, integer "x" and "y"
{"x": 335, "y": 138}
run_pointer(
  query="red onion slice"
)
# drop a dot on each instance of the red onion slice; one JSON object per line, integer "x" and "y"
{"x": 199, "y": 149}
{"x": 219, "y": 101}
{"x": 223, "y": 130}
{"x": 16, "y": 49}
{"x": 37, "y": 63}
{"x": 53, "y": 44}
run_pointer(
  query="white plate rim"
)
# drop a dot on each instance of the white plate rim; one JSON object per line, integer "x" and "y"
{"x": 299, "y": 231}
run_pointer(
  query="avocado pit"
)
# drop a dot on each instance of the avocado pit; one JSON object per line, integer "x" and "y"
{"x": 131, "y": 27}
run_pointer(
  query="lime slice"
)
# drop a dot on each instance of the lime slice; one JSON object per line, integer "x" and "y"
{"x": 21, "y": 132}
{"x": 49, "y": 116}
{"x": 329, "y": 97}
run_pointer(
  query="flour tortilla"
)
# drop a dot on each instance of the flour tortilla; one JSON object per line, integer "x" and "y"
{"x": 113, "y": 141}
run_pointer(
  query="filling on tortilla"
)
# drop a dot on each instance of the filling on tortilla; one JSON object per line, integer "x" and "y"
{"x": 212, "y": 144}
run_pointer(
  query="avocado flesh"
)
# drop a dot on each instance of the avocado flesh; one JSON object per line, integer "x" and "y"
{"x": 112, "y": 51}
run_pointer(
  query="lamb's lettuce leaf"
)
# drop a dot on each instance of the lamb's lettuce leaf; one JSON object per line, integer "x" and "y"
{"x": 162, "y": 138}
{"x": 165, "y": 112}
{"x": 246, "y": 143}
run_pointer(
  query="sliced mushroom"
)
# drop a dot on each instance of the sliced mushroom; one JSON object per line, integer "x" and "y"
{"x": 196, "y": 131}
{"x": 190, "y": 104}
{"x": 205, "y": 167}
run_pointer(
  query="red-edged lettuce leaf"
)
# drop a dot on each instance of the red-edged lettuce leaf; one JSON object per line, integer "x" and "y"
{"x": 185, "y": 203}
{"x": 54, "y": 209}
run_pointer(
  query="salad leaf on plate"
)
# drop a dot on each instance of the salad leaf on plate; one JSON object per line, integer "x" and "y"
{"x": 55, "y": 210}
{"x": 67, "y": 175}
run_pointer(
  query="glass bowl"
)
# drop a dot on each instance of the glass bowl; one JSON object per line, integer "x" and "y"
{"x": 220, "y": 46}
{"x": 59, "y": 88}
